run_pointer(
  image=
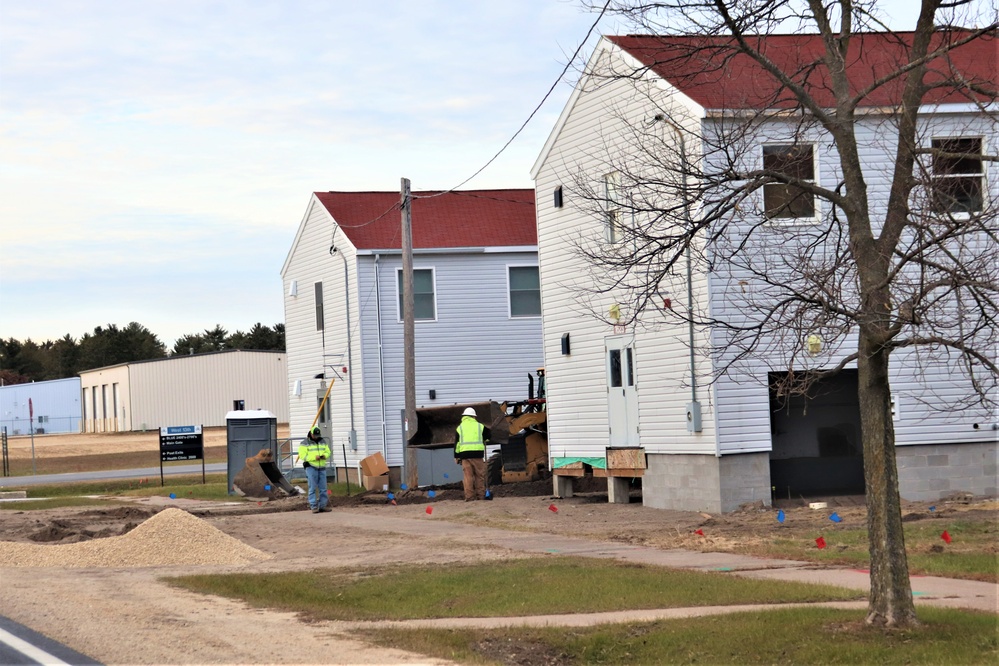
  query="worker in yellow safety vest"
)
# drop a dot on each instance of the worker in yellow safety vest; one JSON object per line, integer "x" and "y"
{"x": 313, "y": 454}
{"x": 470, "y": 453}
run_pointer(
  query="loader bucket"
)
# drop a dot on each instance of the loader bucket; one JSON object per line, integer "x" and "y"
{"x": 435, "y": 426}
{"x": 274, "y": 475}
{"x": 262, "y": 478}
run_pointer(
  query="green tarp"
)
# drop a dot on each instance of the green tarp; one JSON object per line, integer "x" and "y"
{"x": 599, "y": 463}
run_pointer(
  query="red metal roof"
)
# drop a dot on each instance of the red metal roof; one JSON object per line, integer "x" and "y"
{"x": 465, "y": 218}
{"x": 708, "y": 71}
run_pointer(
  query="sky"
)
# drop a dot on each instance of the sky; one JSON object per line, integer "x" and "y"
{"x": 157, "y": 157}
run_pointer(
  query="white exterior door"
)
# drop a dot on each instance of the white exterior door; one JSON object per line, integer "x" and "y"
{"x": 622, "y": 394}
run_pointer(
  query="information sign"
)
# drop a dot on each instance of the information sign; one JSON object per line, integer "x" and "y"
{"x": 181, "y": 443}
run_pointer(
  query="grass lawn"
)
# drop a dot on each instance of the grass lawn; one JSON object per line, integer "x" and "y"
{"x": 786, "y": 636}
{"x": 973, "y": 552}
{"x": 98, "y": 462}
{"x": 184, "y": 486}
{"x": 535, "y": 586}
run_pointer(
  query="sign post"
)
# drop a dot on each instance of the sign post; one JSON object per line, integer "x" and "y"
{"x": 181, "y": 443}
{"x": 31, "y": 429}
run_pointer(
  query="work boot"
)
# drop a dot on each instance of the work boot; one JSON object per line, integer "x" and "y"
{"x": 325, "y": 509}
{"x": 316, "y": 510}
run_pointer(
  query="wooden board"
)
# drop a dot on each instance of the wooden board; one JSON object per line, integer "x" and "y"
{"x": 625, "y": 472}
{"x": 626, "y": 458}
{"x": 568, "y": 471}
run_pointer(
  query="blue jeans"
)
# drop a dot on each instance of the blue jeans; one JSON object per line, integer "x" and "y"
{"x": 318, "y": 499}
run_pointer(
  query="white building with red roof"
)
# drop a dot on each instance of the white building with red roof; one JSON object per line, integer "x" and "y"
{"x": 477, "y": 301}
{"x": 711, "y": 440}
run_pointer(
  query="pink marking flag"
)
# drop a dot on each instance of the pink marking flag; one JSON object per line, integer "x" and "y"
{"x": 700, "y": 532}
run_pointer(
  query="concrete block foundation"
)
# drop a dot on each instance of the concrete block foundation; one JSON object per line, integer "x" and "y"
{"x": 691, "y": 482}
{"x": 618, "y": 490}
{"x": 562, "y": 486}
{"x": 931, "y": 472}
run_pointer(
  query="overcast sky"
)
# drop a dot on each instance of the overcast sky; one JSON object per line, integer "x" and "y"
{"x": 157, "y": 157}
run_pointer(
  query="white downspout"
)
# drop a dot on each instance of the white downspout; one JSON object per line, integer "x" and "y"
{"x": 381, "y": 359}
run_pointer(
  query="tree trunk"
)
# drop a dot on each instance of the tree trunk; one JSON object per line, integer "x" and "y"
{"x": 890, "y": 602}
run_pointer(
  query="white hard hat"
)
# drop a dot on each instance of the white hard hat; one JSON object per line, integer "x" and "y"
{"x": 469, "y": 411}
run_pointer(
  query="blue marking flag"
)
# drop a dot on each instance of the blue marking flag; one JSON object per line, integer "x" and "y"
{"x": 391, "y": 496}
{"x": 835, "y": 517}
{"x": 933, "y": 508}
{"x": 780, "y": 516}
{"x": 446, "y": 476}
{"x": 173, "y": 496}
{"x": 404, "y": 487}
{"x": 431, "y": 494}
{"x": 267, "y": 487}
{"x": 489, "y": 493}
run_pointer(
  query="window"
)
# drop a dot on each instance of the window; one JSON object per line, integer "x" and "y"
{"x": 320, "y": 320}
{"x": 615, "y": 368}
{"x": 424, "y": 305}
{"x": 525, "y": 291}
{"x": 612, "y": 206}
{"x": 785, "y": 201}
{"x": 957, "y": 176}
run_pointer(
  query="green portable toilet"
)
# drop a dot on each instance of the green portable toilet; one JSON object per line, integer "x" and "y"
{"x": 247, "y": 433}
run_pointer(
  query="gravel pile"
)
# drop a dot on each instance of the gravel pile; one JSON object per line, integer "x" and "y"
{"x": 170, "y": 537}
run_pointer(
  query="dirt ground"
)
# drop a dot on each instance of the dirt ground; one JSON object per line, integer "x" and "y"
{"x": 129, "y": 616}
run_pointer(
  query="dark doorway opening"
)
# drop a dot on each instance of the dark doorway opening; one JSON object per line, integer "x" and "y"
{"x": 816, "y": 439}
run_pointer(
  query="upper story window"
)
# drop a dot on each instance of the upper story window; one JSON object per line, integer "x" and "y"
{"x": 958, "y": 174}
{"x": 320, "y": 319}
{"x": 424, "y": 300}
{"x": 612, "y": 207}
{"x": 784, "y": 200}
{"x": 525, "y": 291}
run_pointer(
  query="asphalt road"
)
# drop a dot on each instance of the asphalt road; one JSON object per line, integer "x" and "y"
{"x": 21, "y": 646}
{"x": 72, "y": 477}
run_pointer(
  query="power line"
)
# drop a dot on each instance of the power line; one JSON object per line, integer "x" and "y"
{"x": 534, "y": 112}
{"x": 394, "y": 206}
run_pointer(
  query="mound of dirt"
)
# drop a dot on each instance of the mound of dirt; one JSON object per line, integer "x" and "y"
{"x": 171, "y": 537}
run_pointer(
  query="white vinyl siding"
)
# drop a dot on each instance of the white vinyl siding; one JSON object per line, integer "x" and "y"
{"x": 595, "y": 136}
{"x": 472, "y": 352}
{"x": 311, "y": 352}
{"x": 918, "y": 381}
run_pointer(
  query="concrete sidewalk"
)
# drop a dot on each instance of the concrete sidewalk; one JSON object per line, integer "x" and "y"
{"x": 928, "y": 590}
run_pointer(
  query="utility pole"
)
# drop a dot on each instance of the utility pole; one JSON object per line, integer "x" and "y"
{"x": 409, "y": 333}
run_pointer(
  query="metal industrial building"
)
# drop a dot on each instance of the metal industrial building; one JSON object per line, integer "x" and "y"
{"x": 41, "y": 407}
{"x": 198, "y": 389}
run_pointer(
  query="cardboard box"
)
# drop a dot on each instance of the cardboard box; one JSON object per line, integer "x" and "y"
{"x": 374, "y": 465}
{"x": 377, "y": 482}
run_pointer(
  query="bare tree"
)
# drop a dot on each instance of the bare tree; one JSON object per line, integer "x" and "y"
{"x": 911, "y": 268}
